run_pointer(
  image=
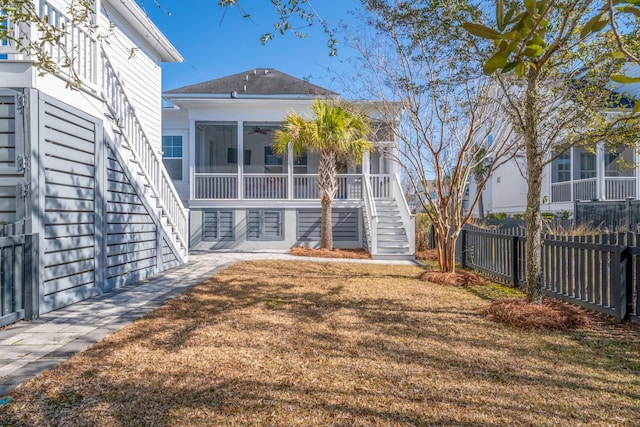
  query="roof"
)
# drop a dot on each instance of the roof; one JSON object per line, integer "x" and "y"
{"x": 259, "y": 82}
{"x": 141, "y": 23}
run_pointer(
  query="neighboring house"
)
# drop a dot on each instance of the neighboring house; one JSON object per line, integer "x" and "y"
{"x": 217, "y": 139}
{"x": 579, "y": 174}
{"x": 83, "y": 169}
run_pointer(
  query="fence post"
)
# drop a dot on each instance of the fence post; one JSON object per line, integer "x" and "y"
{"x": 514, "y": 260}
{"x": 463, "y": 248}
{"x": 31, "y": 278}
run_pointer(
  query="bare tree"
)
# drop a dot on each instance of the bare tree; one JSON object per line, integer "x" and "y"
{"x": 417, "y": 54}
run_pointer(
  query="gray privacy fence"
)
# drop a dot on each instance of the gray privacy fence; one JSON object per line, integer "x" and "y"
{"x": 18, "y": 284}
{"x": 599, "y": 272}
{"x": 614, "y": 215}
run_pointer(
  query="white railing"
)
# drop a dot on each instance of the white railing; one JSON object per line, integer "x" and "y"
{"x": 305, "y": 187}
{"x": 381, "y": 186}
{"x": 144, "y": 153}
{"x": 585, "y": 189}
{"x": 408, "y": 218}
{"x": 349, "y": 187}
{"x": 7, "y": 46}
{"x": 561, "y": 191}
{"x": 215, "y": 186}
{"x": 619, "y": 188}
{"x": 265, "y": 186}
{"x": 76, "y": 52}
{"x": 371, "y": 216}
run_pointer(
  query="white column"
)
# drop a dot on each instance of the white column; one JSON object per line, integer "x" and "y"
{"x": 636, "y": 160}
{"x": 290, "y": 171}
{"x": 240, "y": 160}
{"x": 600, "y": 193}
{"x": 191, "y": 144}
{"x": 571, "y": 160}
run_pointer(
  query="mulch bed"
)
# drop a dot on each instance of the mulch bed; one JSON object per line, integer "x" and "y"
{"x": 326, "y": 253}
{"x": 458, "y": 278}
{"x": 547, "y": 314}
{"x": 427, "y": 255}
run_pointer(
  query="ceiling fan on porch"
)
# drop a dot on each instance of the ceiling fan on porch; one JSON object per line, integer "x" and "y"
{"x": 261, "y": 131}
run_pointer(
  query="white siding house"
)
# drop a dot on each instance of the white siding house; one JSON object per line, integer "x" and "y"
{"x": 81, "y": 170}
{"x": 579, "y": 174}
{"x": 217, "y": 143}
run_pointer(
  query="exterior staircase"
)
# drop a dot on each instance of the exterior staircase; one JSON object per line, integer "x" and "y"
{"x": 392, "y": 242}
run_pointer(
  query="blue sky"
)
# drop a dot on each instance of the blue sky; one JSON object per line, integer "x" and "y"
{"x": 216, "y": 44}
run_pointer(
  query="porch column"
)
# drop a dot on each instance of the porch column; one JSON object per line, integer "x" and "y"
{"x": 192, "y": 157}
{"x": 240, "y": 160}
{"x": 290, "y": 171}
{"x": 636, "y": 163}
{"x": 366, "y": 162}
{"x": 571, "y": 175}
{"x": 600, "y": 190}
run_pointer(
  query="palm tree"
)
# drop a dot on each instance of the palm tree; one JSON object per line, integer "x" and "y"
{"x": 336, "y": 134}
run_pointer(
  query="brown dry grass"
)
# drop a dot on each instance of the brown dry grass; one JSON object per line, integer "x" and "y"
{"x": 326, "y": 253}
{"x": 427, "y": 255}
{"x": 547, "y": 314}
{"x": 277, "y": 343}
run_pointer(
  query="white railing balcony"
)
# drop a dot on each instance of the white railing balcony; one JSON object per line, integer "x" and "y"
{"x": 561, "y": 191}
{"x": 619, "y": 188}
{"x": 215, "y": 186}
{"x": 585, "y": 189}
{"x": 381, "y": 186}
{"x": 220, "y": 186}
{"x": 8, "y": 50}
{"x": 265, "y": 186}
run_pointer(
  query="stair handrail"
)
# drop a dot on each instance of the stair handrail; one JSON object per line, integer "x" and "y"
{"x": 372, "y": 214}
{"x": 408, "y": 218}
{"x": 142, "y": 150}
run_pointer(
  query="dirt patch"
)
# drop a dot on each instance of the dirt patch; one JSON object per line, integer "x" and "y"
{"x": 549, "y": 314}
{"x": 326, "y": 253}
{"x": 459, "y": 278}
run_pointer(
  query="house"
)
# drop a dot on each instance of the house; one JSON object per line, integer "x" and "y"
{"x": 217, "y": 139}
{"x": 81, "y": 170}
{"x": 578, "y": 174}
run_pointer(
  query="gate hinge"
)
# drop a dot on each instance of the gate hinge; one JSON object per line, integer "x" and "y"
{"x": 22, "y": 162}
{"x": 24, "y": 190}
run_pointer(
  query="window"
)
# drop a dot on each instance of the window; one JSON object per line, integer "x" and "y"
{"x": 172, "y": 155}
{"x": 263, "y": 224}
{"x": 562, "y": 168}
{"x": 587, "y": 165}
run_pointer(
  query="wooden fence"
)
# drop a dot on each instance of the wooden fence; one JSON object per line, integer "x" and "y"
{"x": 18, "y": 284}
{"x": 599, "y": 272}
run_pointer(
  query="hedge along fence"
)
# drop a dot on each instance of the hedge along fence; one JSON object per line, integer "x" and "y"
{"x": 599, "y": 272}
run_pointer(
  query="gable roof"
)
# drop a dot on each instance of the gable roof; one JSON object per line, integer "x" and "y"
{"x": 259, "y": 82}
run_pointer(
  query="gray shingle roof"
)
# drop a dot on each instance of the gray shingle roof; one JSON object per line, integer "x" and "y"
{"x": 260, "y": 81}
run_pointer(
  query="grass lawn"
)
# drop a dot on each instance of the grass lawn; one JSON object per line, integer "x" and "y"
{"x": 299, "y": 343}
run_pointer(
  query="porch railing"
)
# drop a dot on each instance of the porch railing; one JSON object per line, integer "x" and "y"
{"x": 619, "y": 188}
{"x": 215, "y": 186}
{"x": 265, "y": 186}
{"x": 8, "y": 49}
{"x": 381, "y": 186}
{"x": 615, "y": 188}
{"x": 585, "y": 189}
{"x": 408, "y": 218}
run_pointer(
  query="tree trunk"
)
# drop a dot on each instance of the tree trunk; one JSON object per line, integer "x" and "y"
{"x": 534, "y": 187}
{"x": 327, "y": 185}
{"x": 446, "y": 248}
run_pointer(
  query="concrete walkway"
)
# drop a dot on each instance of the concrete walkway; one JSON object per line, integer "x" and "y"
{"x": 29, "y": 348}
